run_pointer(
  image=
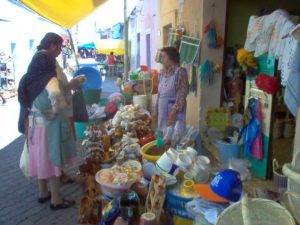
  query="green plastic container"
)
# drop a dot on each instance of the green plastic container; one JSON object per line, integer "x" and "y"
{"x": 103, "y": 101}
{"x": 80, "y": 128}
{"x": 91, "y": 96}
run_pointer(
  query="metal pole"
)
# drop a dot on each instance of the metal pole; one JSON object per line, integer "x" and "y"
{"x": 126, "y": 64}
{"x": 73, "y": 48}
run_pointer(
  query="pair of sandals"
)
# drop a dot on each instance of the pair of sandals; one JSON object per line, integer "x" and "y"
{"x": 64, "y": 205}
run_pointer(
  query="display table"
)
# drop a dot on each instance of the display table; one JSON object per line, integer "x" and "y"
{"x": 249, "y": 186}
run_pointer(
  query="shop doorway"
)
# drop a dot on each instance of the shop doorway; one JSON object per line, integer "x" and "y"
{"x": 166, "y": 31}
{"x": 279, "y": 121}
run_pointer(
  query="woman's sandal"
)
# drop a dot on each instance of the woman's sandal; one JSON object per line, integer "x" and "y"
{"x": 65, "y": 204}
{"x": 45, "y": 199}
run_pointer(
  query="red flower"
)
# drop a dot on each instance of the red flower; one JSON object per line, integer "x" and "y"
{"x": 267, "y": 83}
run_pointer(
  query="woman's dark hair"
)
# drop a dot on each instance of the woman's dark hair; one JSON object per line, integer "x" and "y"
{"x": 50, "y": 39}
{"x": 172, "y": 53}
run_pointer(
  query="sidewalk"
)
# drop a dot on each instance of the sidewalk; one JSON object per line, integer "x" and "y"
{"x": 18, "y": 196}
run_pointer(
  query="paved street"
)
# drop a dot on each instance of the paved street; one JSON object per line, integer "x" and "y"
{"x": 18, "y": 196}
{"x": 8, "y": 121}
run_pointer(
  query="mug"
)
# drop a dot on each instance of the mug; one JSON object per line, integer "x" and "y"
{"x": 188, "y": 176}
{"x": 149, "y": 170}
{"x": 183, "y": 161}
{"x": 191, "y": 151}
{"x": 203, "y": 162}
{"x": 148, "y": 218}
{"x": 173, "y": 154}
{"x": 202, "y": 176}
{"x": 165, "y": 163}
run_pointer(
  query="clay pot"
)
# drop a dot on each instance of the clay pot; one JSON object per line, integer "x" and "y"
{"x": 106, "y": 142}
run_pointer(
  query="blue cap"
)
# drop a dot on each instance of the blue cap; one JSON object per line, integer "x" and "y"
{"x": 225, "y": 187}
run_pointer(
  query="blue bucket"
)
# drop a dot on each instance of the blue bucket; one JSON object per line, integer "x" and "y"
{"x": 93, "y": 78}
{"x": 228, "y": 151}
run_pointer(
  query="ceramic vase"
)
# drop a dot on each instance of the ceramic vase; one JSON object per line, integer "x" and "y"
{"x": 187, "y": 189}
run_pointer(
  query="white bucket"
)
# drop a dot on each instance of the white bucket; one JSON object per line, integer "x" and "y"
{"x": 141, "y": 100}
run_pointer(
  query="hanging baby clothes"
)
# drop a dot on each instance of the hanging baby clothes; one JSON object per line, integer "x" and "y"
{"x": 292, "y": 76}
{"x": 288, "y": 25}
{"x": 262, "y": 32}
{"x": 290, "y": 59}
{"x": 277, "y": 35}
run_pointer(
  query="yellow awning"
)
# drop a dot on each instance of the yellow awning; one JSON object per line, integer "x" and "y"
{"x": 64, "y": 13}
{"x": 105, "y": 46}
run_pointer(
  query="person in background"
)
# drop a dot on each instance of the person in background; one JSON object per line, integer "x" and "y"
{"x": 111, "y": 62}
{"x": 44, "y": 119}
{"x": 172, "y": 90}
{"x": 2, "y": 98}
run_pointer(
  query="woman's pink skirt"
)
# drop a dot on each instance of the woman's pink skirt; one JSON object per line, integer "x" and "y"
{"x": 40, "y": 165}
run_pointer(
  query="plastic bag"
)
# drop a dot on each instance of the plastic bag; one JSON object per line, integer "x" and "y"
{"x": 241, "y": 165}
{"x": 189, "y": 137}
{"x": 79, "y": 107}
{"x": 204, "y": 211}
{"x": 168, "y": 133}
{"x": 178, "y": 133}
{"x": 95, "y": 111}
{"x": 24, "y": 160}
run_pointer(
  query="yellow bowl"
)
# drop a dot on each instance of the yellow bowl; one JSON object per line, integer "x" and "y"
{"x": 145, "y": 148}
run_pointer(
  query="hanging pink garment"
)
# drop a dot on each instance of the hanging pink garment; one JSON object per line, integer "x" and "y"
{"x": 257, "y": 148}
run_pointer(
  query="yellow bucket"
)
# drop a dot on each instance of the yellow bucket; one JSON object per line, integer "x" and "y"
{"x": 144, "y": 150}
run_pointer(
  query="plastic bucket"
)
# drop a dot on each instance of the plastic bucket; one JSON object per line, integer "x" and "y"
{"x": 91, "y": 96}
{"x": 228, "y": 151}
{"x": 103, "y": 101}
{"x": 141, "y": 100}
{"x": 80, "y": 128}
{"x": 93, "y": 77}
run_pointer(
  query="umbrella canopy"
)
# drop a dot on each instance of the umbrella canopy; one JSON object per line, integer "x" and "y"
{"x": 105, "y": 46}
{"x": 88, "y": 45}
{"x": 64, "y": 13}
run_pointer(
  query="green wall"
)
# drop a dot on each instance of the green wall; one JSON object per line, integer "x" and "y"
{"x": 239, "y": 12}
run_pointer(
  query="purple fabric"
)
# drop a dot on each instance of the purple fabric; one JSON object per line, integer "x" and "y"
{"x": 167, "y": 94}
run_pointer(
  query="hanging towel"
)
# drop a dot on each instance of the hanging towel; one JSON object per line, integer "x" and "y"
{"x": 292, "y": 92}
{"x": 189, "y": 49}
{"x": 252, "y": 129}
{"x": 257, "y": 149}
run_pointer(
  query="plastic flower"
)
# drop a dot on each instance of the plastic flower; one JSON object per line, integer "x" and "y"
{"x": 247, "y": 61}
